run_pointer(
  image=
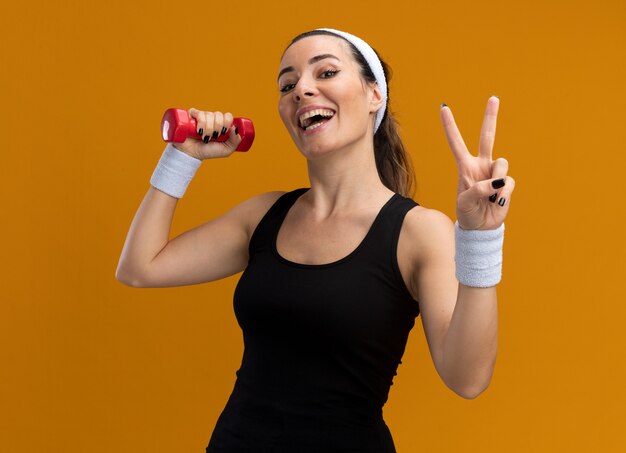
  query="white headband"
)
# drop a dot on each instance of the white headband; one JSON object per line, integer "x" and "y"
{"x": 374, "y": 64}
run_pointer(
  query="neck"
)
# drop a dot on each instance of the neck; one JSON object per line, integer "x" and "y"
{"x": 346, "y": 179}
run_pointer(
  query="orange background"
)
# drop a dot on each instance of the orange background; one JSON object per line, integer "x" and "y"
{"x": 90, "y": 365}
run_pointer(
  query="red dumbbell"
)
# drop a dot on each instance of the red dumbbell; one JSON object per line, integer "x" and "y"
{"x": 177, "y": 125}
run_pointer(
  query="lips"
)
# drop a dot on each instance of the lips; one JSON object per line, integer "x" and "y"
{"x": 313, "y": 116}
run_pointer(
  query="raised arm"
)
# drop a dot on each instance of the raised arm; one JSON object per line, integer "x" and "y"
{"x": 208, "y": 252}
{"x": 213, "y": 250}
{"x": 453, "y": 269}
{"x": 460, "y": 323}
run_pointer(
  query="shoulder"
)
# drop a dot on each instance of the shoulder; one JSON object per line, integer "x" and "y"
{"x": 421, "y": 221}
{"x": 254, "y": 208}
{"x": 425, "y": 250}
{"x": 426, "y": 232}
{"x": 265, "y": 199}
{"x": 251, "y": 211}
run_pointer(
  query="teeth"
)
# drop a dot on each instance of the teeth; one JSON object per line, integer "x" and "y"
{"x": 311, "y": 113}
{"x": 314, "y": 126}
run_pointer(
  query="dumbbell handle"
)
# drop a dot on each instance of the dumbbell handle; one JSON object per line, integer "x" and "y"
{"x": 177, "y": 125}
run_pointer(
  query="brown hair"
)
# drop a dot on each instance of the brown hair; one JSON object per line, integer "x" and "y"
{"x": 392, "y": 160}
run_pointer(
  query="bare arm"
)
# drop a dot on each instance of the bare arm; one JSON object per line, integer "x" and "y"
{"x": 471, "y": 343}
{"x": 147, "y": 236}
{"x": 213, "y": 250}
{"x": 460, "y": 322}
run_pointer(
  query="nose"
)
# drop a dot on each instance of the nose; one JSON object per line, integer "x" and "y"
{"x": 304, "y": 89}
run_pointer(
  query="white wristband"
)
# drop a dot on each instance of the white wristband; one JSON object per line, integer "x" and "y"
{"x": 174, "y": 171}
{"x": 478, "y": 256}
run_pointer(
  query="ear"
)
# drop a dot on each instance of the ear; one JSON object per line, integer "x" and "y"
{"x": 376, "y": 100}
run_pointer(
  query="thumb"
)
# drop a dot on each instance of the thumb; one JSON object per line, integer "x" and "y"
{"x": 234, "y": 137}
{"x": 483, "y": 189}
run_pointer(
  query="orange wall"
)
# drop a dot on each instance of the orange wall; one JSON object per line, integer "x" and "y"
{"x": 90, "y": 365}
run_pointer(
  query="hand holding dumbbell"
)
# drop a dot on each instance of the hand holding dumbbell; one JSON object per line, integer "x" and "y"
{"x": 206, "y": 135}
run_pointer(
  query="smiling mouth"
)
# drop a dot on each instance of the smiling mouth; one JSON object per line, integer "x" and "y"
{"x": 314, "y": 118}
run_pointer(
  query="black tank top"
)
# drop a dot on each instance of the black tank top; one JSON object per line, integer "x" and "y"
{"x": 322, "y": 342}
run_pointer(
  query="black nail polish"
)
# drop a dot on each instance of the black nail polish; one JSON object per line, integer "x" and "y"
{"x": 497, "y": 183}
{"x": 206, "y": 139}
{"x": 215, "y": 135}
{"x": 501, "y": 202}
{"x": 493, "y": 197}
{"x": 200, "y": 131}
{"x": 236, "y": 130}
{"x": 444, "y": 105}
{"x": 223, "y": 131}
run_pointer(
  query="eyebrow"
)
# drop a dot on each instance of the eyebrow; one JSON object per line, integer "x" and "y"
{"x": 315, "y": 59}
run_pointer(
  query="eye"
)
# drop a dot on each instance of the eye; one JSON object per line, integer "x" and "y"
{"x": 287, "y": 87}
{"x": 328, "y": 73}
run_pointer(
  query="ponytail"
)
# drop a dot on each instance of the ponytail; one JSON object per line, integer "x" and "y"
{"x": 392, "y": 160}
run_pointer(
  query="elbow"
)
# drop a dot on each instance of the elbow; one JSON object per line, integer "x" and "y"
{"x": 470, "y": 394}
{"x": 469, "y": 390}
{"x": 127, "y": 278}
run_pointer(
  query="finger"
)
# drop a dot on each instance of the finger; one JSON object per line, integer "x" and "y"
{"x": 234, "y": 137}
{"x": 499, "y": 169}
{"x": 228, "y": 120}
{"x": 202, "y": 120}
{"x": 208, "y": 128}
{"x": 194, "y": 113}
{"x": 485, "y": 189}
{"x": 218, "y": 125}
{"x": 488, "y": 130}
{"x": 504, "y": 198}
{"x": 455, "y": 140}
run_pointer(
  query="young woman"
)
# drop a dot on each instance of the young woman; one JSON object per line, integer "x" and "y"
{"x": 334, "y": 275}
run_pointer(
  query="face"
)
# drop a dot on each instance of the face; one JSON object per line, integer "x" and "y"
{"x": 324, "y": 102}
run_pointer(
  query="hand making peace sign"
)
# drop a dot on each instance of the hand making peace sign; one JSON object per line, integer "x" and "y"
{"x": 484, "y": 189}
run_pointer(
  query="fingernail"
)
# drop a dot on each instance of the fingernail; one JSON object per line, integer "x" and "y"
{"x": 215, "y": 135}
{"x": 206, "y": 139}
{"x": 223, "y": 131}
{"x": 443, "y": 105}
{"x": 496, "y": 184}
{"x": 501, "y": 202}
{"x": 200, "y": 131}
{"x": 236, "y": 130}
{"x": 496, "y": 96}
{"x": 493, "y": 197}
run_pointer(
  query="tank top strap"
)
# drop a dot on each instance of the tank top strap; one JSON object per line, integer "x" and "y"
{"x": 395, "y": 216}
{"x": 383, "y": 251}
{"x": 388, "y": 224}
{"x": 263, "y": 235}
